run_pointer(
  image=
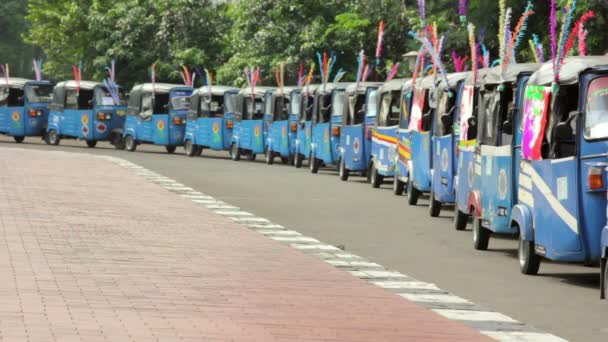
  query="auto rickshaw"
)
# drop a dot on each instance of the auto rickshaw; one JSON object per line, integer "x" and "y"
{"x": 358, "y": 119}
{"x": 444, "y": 140}
{"x": 157, "y": 115}
{"x": 562, "y": 193}
{"x": 250, "y": 131}
{"x": 281, "y": 131}
{"x": 24, "y": 107}
{"x": 326, "y": 125}
{"x": 499, "y": 150}
{"x": 306, "y": 101}
{"x": 404, "y": 152}
{"x": 86, "y": 110}
{"x": 210, "y": 119}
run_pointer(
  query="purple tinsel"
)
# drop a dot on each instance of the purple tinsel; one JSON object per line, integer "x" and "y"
{"x": 462, "y": 7}
{"x": 553, "y": 31}
{"x": 422, "y": 9}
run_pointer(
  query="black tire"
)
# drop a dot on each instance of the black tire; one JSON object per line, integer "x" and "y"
{"x": 91, "y": 143}
{"x": 375, "y": 179}
{"x": 434, "y": 206}
{"x": 529, "y": 261}
{"x": 170, "y": 149}
{"x": 235, "y": 152}
{"x": 250, "y": 156}
{"x": 298, "y": 161}
{"x": 291, "y": 159}
{"x": 460, "y": 220}
{"x": 412, "y": 194}
{"x": 343, "y": 171}
{"x": 52, "y": 138}
{"x": 603, "y": 278}
{"x": 314, "y": 164}
{"x": 19, "y": 140}
{"x": 199, "y": 151}
{"x": 269, "y": 157}
{"x": 189, "y": 148}
{"x": 130, "y": 143}
{"x": 481, "y": 235}
{"x": 285, "y": 160}
{"x": 119, "y": 143}
{"x": 398, "y": 186}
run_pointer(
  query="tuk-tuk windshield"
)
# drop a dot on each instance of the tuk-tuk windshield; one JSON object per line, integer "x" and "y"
{"x": 294, "y": 103}
{"x": 488, "y": 120}
{"x": 11, "y": 97}
{"x": 307, "y": 103}
{"x": 356, "y": 116}
{"x": 337, "y": 105}
{"x": 230, "y": 102}
{"x": 446, "y": 107}
{"x": 212, "y": 107}
{"x": 104, "y": 98}
{"x": 253, "y": 109}
{"x": 180, "y": 99}
{"x": 403, "y": 122}
{"x": 39, "y": 93}
{"x": 372, "y": 104}
{"x": 281, "y": 105}
{"x": 390, "y": 111}
{"x": 596, "y": 112}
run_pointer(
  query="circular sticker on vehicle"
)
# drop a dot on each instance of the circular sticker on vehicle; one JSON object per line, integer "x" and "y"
{"x": 470, "y": 175}
{"x": 444, "y": 160}
{"x": 160, "y": 125}
{"x": 326, "y": 136}
{"x": 85, "y": 131}
{"x": 502, "y": 184}
{"x": 256, "y": 130}
{"x": 16, "y": 116}
{"x": 33, "y": 122}
{"x": 216, "y": 127}
{"x": 356, "y": 145}
{"x": 84, "y": 119}
{"x": 101, "y": 127}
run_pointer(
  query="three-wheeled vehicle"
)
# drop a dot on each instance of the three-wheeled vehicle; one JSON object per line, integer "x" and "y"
{"x": 385, "y": 133}
{"x": 404, "y": 152}
{"x": 87, "y": 111}
{"x": 358, "y": 119}
{"x": 303, "y": 140}
{"x": 210, "y": 119}
{"x": 499, "y": 150}
{"x": 157, "y": 115}
{"x": 281, "y": 131}
{"x": 250, "y": 131}
{"x": 444, "y": 139}
{"x": 468, "y": 168}
{"x": 24, "y": 107}
{"x": 562, "y": 193}
{"x": 326, "y": 125}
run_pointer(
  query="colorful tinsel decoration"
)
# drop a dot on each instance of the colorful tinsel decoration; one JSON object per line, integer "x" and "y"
{"x": 38, "y": 69}
{"x": 6, "y": 71}
{"x": 462, "y": 10}
{"x": 459, "y": 62}
{"x": 422, "y": 10}
{"x": 76, "y": 69}
{"x": 501, "y": 27}
{"x": 473, "y": 46}
{"x": 380, "y": 42}
{"x": 153, "y": 77}
{"x": 576, "y": 33}
{"x": 564, "y": 37}
{"x": 393, "y": 72}
{"x": 516, "y": 36}
{"x": 301, "y": 75}
{"x": 434, "y": 55}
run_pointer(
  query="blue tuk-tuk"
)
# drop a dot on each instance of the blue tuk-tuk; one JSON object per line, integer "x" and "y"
{"x": 157, "y": 115}
{"x": 86, "y": 111}
{"x": 210, "y": 119}
{"x": 562, "y": 194}
{"x": 385, "y": 133}
{"x": 468, "y": 168}
{"x": 604, "y": 250}
{"x": 404, "y": 152}
{"x": 444, "y": 139}
{"x": 326, "y": 125}
{"x": 250, "y": 132}
{"x": 281, "y": 125}
{"x": 303, "y": 140}
{"x": 24, "y": 107}
{"x": 358, "y": 119}
{"x": 499, "y": 150}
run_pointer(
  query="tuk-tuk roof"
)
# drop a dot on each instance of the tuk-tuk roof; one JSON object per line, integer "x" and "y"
{"x": 329, "y": 87}
{"x": 429, "y": 81}
{"x": 361, "y": 87}
{"x": 287, "y": 91}
{"x": 570, "y": 71}
{"x": 259, "y": 91}
{"x": 394, "y": 84}
{"x": 20, "y": 82}
{"x": 218, "y": 90}
{"x": 87, "y": 85}
{"x": 453, "y": 78}
{"x": 159, "y": 88}
{"x": 481, "y": 76}
{"x": 513, "y": 70}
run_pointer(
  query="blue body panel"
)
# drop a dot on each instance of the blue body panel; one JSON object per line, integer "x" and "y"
{"x": 278, "y": 137}
{"x": 293, "y": 134}
{"x": 356, "y": 149}
{"x": 16, "y": 122}
{"x": 84, "y": 124}
{"x": 384, "y": 150}
{"x": 212, "y": 133}
{"x": 466, "y": 178}
{"x": 404, "y": 153}
{"x": 304, "y": 138}
{"x": 421, "y": 160}
{"x": 324, "y": 144}
{"x": 160, "y": 130}
{"x": 444, "y": 168}
{"x": 249, "y": 135}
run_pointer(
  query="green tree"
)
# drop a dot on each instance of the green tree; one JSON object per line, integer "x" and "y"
{"x": 13, "y": 50}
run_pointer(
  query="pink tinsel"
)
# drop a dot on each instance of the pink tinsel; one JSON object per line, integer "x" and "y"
{"x": 582, "y": 41}
{"x": 380, "y": 39}
{"x": 576, "y": 31}
{"x": 553, "y": 31}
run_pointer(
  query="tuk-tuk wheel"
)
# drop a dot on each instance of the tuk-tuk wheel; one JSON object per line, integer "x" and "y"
{"x": 189, "y": 148}
{"x": 235, "y": 152}
{"x": 412, "y": 194}
{"x": 119, "y": 144}
{"x": 398, "y": 186}
{"x": 91, "y": 143}
{"x": 481, "y": 236}
{"x": 170, "y": 149}
{"x": 603, "y": 278}
{"x": 529, "y": 261}
{"x": 285, "y": 160}
{"x": 130, "y": 143}
{"x": 298, "y": 161}
{"x": 52, "y": 138}
{"x": 269, "y": 157}
{"x": 314, "y": 164}
{"x": 291, "y": 160}
{"x": 434, "y": 206}
{"x": 460, "y": 219}
{"x": 199, "y": 150}
{"x": 376, "y": 179}
{"x": 251, "y": 156}
{"x": 344, "y": 172}
{"x": 19, "y": 140}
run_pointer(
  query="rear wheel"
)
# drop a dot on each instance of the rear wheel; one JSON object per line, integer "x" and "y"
{"x": 235, "y": 152}
{"x": 412, "y": 193}
{"x": 481, "y": 235}
{"x": 398, "y": 186}
{"x": 603, "y": 278}
{"x": 130, "y": 143}
{"x": 298, "y": 161}
{"x": 269, "y": 157}
{"x": 250, "y": 156}
{"x": 460, "y": 219}
{"x": 52, "y": 138}
{"x": 199, "y": 150}
{"x": 285, "y": 160}
{"x": 91, "y": 143}
{"x": 170, "y": 149}
{"x": 314, "y": 164}
{"x": 189, "y": 148}
{"x": 529, "y": 261}
{"x": 119, "y": 143}
{"x": 344, "y": 172}
{"x": 434, "y": 206}
{"x": 19, "y": 140}
{"x": 375, "y": 178}
{"x": 291, "y": 160}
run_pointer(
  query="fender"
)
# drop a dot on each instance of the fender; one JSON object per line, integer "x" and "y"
{"x": 604, "y": 242}
{"x": 52, "y": 125}
{"x": 190, "y": 136}
{"x": 116, "y": 132}
{"x": 130, "y": 131}
{"x": 410, "y": 167}
{"x": 235, "y": 140}
{"x": 474, "y": 203}
{"x": 522, "y": 216}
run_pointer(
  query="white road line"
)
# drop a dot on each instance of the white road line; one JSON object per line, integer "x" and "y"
{"x": 279, "y": 232}
{"x": 476, "y": 316}
{"x": 434, "y": 298}
{"x": 522, "y": 336}
{"x": 320, "y": 247}
{"x": 410, "y": 285}
{"x": 233, "y": 213}
{"x": 294, "y": 239}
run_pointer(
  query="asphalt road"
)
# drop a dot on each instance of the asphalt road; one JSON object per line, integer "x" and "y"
{"x": 562, "y": 299}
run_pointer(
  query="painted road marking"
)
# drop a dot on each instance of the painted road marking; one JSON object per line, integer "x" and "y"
{"x": 489, "y": 323}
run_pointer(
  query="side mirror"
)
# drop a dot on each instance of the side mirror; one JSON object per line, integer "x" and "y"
{"x": 472, "y": 121}
{"x": 427, "y": 119}
{"x": 446, "y": 120}
{"x": 563, "y": 131}
{"x": 507, "y": 127}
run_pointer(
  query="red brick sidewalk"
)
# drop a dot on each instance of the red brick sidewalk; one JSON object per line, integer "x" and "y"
{"x": 89, "y": 251}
